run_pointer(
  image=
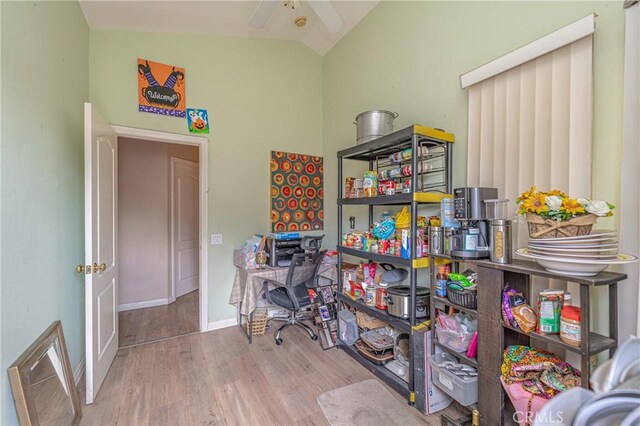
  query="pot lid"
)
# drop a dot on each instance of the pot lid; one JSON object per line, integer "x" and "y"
{"x": 378, "y": 111}
{"x": 395, "y": 276}
{"x": 405, "y": 290}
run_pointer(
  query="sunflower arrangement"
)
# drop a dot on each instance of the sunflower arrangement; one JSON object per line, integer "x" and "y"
{"x": 558, "y": 206}
{"x": 555, "y": 214}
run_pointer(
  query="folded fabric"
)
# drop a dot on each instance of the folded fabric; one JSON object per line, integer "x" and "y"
{"x": 541, "y": 373}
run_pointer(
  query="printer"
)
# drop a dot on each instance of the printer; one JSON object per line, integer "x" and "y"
{"x": 281, "y": 250}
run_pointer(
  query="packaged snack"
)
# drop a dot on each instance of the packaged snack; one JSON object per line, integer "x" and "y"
{"x": 525, "y": 317}
{"x": 507, "y": 315}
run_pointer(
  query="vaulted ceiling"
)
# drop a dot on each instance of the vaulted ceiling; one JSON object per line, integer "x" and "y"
{"x": 225, "y": 18}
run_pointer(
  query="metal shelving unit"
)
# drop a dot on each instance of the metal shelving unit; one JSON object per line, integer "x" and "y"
{"x": 423, "y": 176}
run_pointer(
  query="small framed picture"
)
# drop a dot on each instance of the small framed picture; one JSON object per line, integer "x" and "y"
{"x": 324, "y": 312}
{"x": 327, "y": 294}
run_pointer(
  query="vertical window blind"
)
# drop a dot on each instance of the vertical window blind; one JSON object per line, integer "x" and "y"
{"x": 532, "y": 125}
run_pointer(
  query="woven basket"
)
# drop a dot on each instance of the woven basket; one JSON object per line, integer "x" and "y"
{"x": 465, "y": 298}
{"x": 259, "y": 322}
{"x": 539, "y": 227}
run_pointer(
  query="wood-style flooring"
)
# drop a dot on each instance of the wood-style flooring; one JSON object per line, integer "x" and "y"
{"x": 150, "y": 324}
{"x": 217, "y": 378}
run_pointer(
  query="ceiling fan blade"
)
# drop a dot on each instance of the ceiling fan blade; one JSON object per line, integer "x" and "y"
{"x": 261, "y": 14}
{"x": 327, "y": 14}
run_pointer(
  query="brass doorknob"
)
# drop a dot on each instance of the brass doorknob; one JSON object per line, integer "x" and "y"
{"x": 81, "y": 269}
{"x": 101, "y": 268}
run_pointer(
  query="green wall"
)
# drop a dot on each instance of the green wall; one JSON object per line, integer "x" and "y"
{"x": 45, "y": 80}
{"x": 408, "y": 56}
{"x": 261, "y": 95}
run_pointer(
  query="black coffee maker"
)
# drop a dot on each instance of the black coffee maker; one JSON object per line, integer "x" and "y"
{"x": 471, "y": 240}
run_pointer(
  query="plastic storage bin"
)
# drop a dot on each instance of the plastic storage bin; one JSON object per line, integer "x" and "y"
{"x": 348, "y": 327}
{"x": 527, "y": 405}
{"x": 452, "y": 340}
{"x": 462, "y": 389}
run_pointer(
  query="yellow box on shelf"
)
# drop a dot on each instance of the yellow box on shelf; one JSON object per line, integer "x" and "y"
{"x": 433, "y": 133}
{"x": 425, "y": 262}
{"x": 430, "y": 197}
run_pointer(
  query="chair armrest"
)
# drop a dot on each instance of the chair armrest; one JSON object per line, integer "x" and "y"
{"x": 265, "y": 289}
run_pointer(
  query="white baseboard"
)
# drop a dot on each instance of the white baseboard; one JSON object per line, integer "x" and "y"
{"x": 217, "y": 325}
{"x": 77, "y": 375}
{"x": 139, "y": 305}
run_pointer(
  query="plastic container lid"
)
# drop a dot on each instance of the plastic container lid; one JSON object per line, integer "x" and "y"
{"x": 571, "y": 313}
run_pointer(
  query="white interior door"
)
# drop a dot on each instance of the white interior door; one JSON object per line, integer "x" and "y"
{"x": 101, "y": 289}
{"x": 185, "y": 226}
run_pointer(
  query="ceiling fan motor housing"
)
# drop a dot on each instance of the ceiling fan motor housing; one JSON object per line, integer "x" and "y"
{"x": 301, "y": 21}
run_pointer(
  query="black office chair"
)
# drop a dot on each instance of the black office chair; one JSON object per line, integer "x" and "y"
{"x": 292, "y": 294}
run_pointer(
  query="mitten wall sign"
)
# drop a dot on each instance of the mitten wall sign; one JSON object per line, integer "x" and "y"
{"x": 161, "y": 88}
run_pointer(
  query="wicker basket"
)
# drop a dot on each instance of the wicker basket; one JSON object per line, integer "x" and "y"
{"x": 366, "y": 321}
{"x": 259, "y": 322}
{"x": 465, "y": 298}
{"x": 539, "y": 227}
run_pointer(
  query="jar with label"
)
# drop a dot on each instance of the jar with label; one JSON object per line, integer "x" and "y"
{"x": 370, "y": 295}
{"x": 549, "y": 311}
{"x": 381, "y": 296}
{"x": 570, "y": 326}
{"x": 370, "y": 184}
{"x": 441, "y": 282}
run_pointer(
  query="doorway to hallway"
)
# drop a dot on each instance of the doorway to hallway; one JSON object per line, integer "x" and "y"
{"x": 158, "y": 240}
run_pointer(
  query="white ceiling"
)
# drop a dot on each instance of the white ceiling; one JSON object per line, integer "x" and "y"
{"x": 223, "y": 18}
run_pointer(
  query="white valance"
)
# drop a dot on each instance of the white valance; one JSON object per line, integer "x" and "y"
{"x": 533, "y": 50}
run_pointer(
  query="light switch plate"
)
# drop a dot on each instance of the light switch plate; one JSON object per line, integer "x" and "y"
{"x": 216, "y": 239}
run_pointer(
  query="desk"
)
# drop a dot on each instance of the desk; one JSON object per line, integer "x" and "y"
{"x": 247, "y": 286}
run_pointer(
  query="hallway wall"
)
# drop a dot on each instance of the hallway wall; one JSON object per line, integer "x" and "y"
{"x": 143, "y": 220}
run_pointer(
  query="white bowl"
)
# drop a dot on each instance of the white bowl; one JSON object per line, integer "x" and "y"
{"x": 576, "y": 267}
{"x": 593, "y": 236}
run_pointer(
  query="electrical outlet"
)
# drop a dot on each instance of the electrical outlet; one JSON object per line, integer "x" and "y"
{"x": 216, "y": 239}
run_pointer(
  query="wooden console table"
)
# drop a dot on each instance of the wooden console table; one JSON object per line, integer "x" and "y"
{"x": 494, "y": 335}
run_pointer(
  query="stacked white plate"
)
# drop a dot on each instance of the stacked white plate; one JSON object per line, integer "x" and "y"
{"x": 584, "y": 255}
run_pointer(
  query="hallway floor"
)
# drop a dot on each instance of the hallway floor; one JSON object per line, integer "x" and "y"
{"x": 218, "y": 378}
{"x": 160, "y": 322}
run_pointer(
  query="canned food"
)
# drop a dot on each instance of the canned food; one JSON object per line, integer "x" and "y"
{"x": 384, "y": 246}
{"x": 370, "y": 295}
{"x": 390, "y": 187}
{"x": 381, "y": 297}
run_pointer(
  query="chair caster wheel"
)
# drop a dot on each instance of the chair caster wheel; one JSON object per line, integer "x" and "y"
{"x": 314, "y": 337}
{"x": 278, "y": 342}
